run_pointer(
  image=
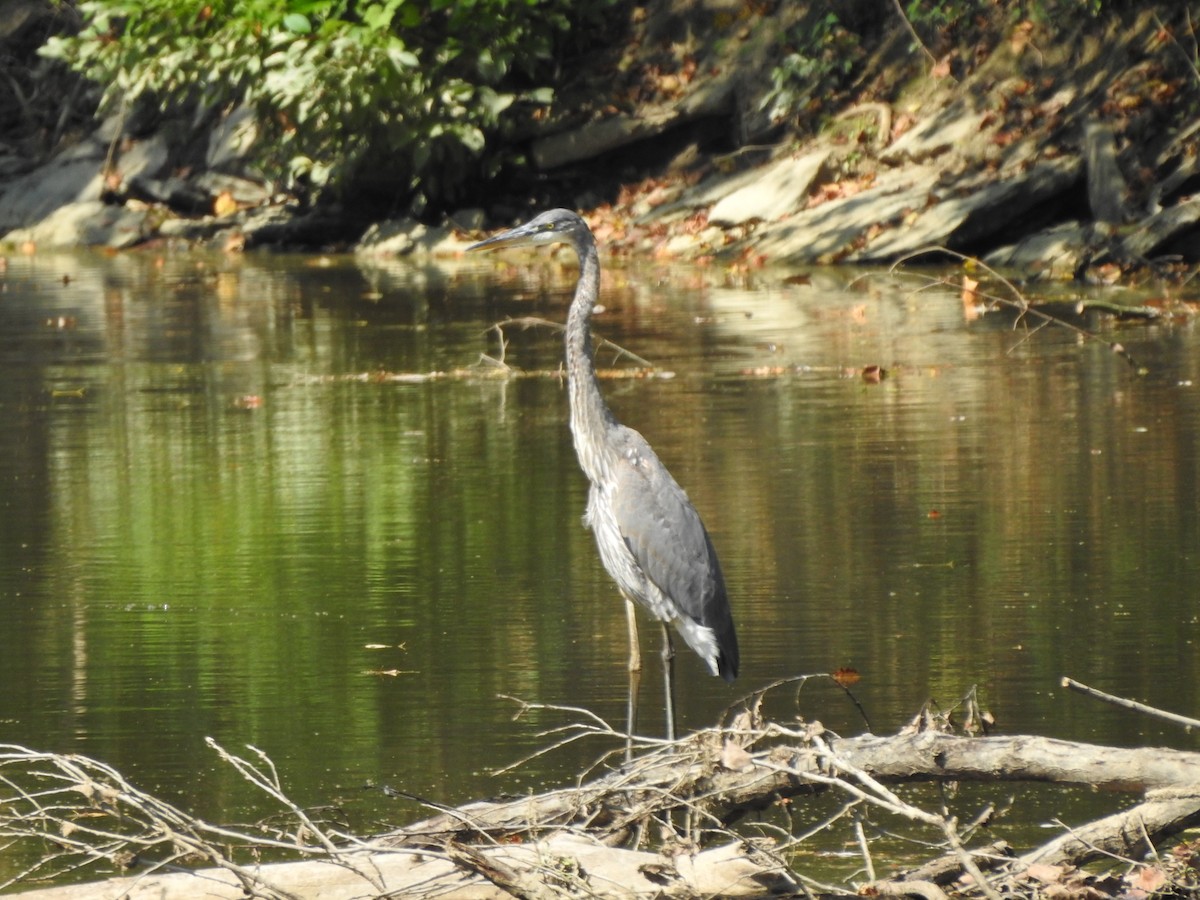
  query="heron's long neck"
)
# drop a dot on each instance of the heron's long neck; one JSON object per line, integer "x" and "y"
{"x": 590, "y": 415}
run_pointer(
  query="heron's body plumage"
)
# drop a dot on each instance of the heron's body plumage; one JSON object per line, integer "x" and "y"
{"x": 656, "y": 548}
{"x": 650, "y": 537}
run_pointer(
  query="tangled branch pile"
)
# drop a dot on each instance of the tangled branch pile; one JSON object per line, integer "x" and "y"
{"x": 709, "y": 814}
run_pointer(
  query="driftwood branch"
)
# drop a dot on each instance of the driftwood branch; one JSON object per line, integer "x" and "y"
{"x": 1027, "y": 315}
{"x": 1130, "y": 834}
{"x": 1092, "y": 692}
{"x": 695, "y": 797}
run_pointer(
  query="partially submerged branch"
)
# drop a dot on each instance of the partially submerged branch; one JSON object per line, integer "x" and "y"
{"x": 1013, "y": 299}
{"x": 591, "y": 839}
{"x": 526, "y": 322}
{"x": 1079, "y": 687}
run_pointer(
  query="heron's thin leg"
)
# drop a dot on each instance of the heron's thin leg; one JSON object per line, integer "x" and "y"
{"x": 631, "y": 711}
{"x": 635, "y": 679}
{"x": 635, "y": 647}
{"x": 668, "y": 657}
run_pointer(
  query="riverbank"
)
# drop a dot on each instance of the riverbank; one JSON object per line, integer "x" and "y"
{"x": 1064, "y": 150}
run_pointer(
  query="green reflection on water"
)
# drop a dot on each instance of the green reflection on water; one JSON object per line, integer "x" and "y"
{"x": 221, "y": 521}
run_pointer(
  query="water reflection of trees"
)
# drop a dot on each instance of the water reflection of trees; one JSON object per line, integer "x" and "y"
{"x": 990, "y": 512}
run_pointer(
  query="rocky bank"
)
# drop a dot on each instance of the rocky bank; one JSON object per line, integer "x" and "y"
{"x": 1066, "y": 150}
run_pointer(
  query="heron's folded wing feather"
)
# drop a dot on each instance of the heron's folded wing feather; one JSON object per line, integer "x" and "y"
{"x": 665, "y": 534}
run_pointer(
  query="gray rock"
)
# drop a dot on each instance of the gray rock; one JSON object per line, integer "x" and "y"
{"x": 913, "y": 209}
{"x": 970, "y": 211}
{"x": 951, "y": 128}
{"x": 827, "y": 233}
{"x": 711, "y": 190}
{"x": 145, "y": 159}
{"x": 178, "y": 193}
{"x": 708, "y": 97}
{"x": 1155, "y": 231}
{"x": 595, "y": 138}
{"x": 1055, "y": 252}
{"x": 231, "y": 139}
{"x": 65, "y": 180}
{"x": 471, "y": 219}
{"x": 243, "y": 190}
{"x": 59, "y": 203}
{"x": 86, "y": 223}
{"x": 401, "y": 237}
{"x": 772, "y": 193}
{"x": 202, "y": 229}
{"x": 1106, "y": 185}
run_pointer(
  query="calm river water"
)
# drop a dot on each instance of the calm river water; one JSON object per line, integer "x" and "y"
{"x": 281, "y": 501}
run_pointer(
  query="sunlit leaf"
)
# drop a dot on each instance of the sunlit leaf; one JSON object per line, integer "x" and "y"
{"x": 734, "y": 757}
{"x": 297, "y": 24}
{"x": 969, "y": 294}
{"x": 401, "y": 58}
{"x": 224, "y": 204}
{"x": 845, "y": 676}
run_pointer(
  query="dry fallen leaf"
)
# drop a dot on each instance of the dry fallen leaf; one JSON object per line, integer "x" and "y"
{"x": 1044, "y": 873}
{"x": 224, "y": 204}
{"x": 1020, "y": 37}
{"x": 1150, "y": 878}
{"x": 968, "y": 289}
{"x": 846, "y": 676}
{"x": 734, "y": 757}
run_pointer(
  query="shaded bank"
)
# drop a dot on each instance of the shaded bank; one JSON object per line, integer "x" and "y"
{"x": 1066, "y": 147}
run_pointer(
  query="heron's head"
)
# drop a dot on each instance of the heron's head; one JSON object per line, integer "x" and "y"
{"x": 551, "y": 227}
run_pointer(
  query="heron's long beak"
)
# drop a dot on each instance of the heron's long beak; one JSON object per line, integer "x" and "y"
{"x": 514, "y": 237}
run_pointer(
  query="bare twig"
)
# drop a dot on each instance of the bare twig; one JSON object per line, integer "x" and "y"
{"x": 525, "y": 322}
{"x": 680, "y": 796}
{"x": 755, "y": 698}
{"x": 1095, "y": 694}
{"x": 913, "y": 32}
{"x": 864, "y": 848}
{"x": 126, "y": 823}
{"x": 877, "y": 793}
{"x": 1189, "y": 60}
{"x": 1015, "y": 300}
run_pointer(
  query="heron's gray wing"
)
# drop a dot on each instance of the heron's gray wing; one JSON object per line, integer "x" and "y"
{"x": 668, "y": 540}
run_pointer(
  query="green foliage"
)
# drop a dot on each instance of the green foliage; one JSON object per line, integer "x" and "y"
{"x": 821, "y": 54}
{"x": 804, "y": 84}
{"x": 936, "y": 15}
{"x": 930, "y": 17}
{"x": 397, "y": 89}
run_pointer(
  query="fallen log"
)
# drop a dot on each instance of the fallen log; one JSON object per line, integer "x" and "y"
{"x": 565, "y": 864}
{"x": 691, "y": 773}
{"x": 1130, "y": 834}
{"x": 687, "y": 796}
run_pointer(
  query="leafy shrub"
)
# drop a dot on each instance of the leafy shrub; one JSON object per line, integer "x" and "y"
{"x": 822, "y": 55}
{"x": 394, "y": 91}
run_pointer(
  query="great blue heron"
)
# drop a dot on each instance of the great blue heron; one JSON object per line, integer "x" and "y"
{"x": 650, "y": 537}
